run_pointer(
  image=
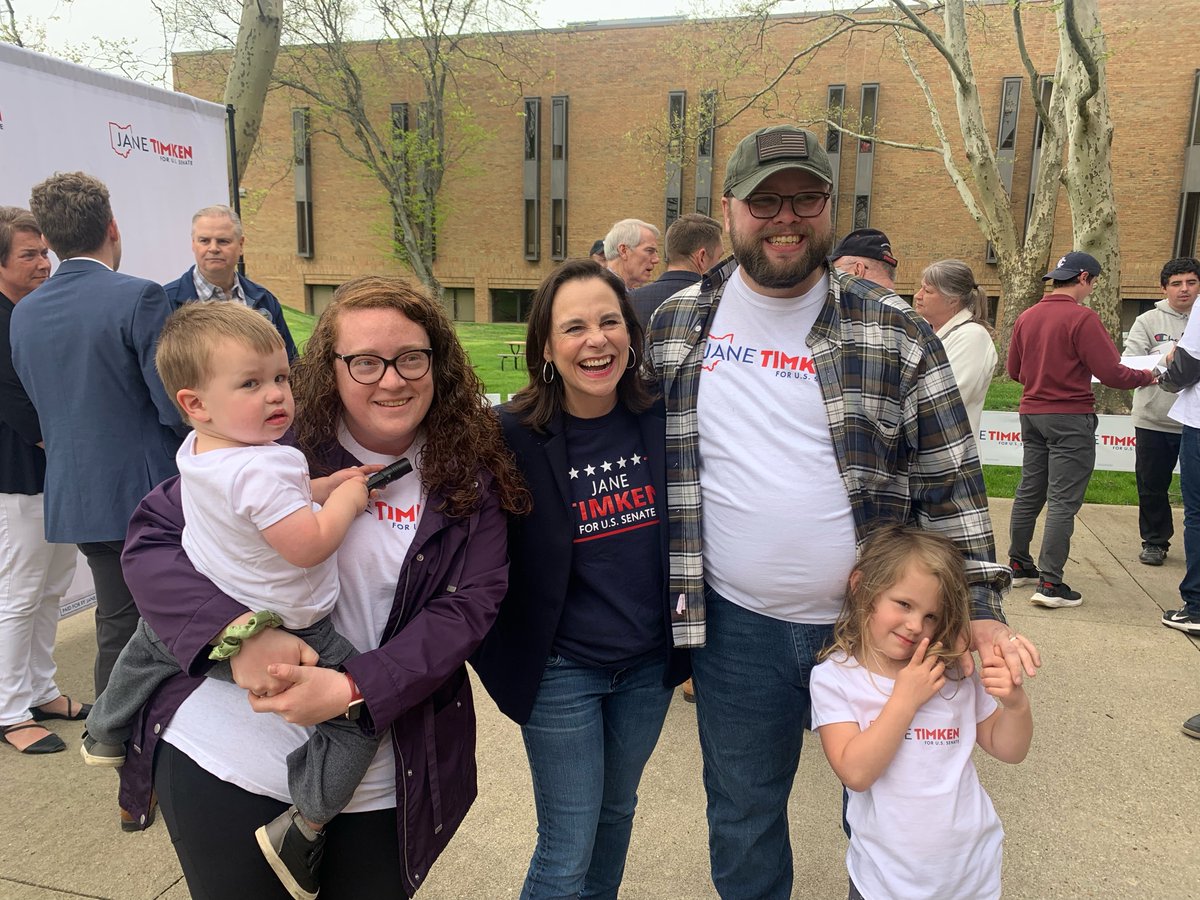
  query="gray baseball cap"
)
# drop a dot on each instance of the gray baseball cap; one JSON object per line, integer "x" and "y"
{"x": 773, "y": 149}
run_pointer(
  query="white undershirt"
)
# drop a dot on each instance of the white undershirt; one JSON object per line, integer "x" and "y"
{"x": 778, "y": 529}
{"x": 216, "y": 727}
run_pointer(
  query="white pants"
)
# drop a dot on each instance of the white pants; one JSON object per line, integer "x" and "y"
{"x": 33, "y": 577}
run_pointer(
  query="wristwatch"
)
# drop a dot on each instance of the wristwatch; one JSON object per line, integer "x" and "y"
{"x": 355, "y": 707}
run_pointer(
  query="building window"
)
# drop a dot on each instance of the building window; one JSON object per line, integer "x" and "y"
{"x": 834, "y": 106}
{"x": 676, "y": 111}
{"x": 510, "y": 305}
{"x": 400, "y": 152}
{"x": 302, "y": 164}
{"x": 1039, "y": 130}
{"x": 558, "y": 177}
{"x": 532, "y": 178}
{"x": 705, "y": 138}
{"x": 1006, "y": 143}
{"x": 459, "y": 303}
{"x": 1187, "y": 232}
{"x": 833, "y": 112}
{"x": 317, "y": 297}
{"x": 864, "y": 166}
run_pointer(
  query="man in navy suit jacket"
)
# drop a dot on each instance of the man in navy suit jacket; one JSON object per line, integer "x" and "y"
{"x": 83, "y": 347}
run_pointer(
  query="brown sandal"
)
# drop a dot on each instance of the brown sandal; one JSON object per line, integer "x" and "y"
{"x": 51, "y": 743}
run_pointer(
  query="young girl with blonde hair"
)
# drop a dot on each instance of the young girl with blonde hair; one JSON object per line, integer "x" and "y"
{"x": 898, "y": 720}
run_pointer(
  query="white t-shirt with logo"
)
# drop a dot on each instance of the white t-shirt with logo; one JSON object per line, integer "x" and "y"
{"x": 230, "y": 496}
{"x": 215, "y": 725}
{"x": 926, "y": 827}
{"x": 778, "y": 529}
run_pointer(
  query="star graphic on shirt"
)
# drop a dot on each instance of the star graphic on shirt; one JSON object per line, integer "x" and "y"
{"x": 589, "y": 470}
{"x": 637, "y": 460}
{"x": 621, "y": 462}
{"x": 606, "y": 466}
{"x": 574, "y": 473}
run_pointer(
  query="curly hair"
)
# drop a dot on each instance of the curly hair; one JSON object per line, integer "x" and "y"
{"x": 462, "y": 433}
{"x": 887, "y": 554}
{"x": 539, "y": 401}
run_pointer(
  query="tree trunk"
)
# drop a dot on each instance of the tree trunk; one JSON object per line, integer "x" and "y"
{"x": 250, "y": 71}
{"x": 1089, "y": 167}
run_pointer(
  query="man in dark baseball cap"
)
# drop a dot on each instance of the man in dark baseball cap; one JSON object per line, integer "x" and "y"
{"x": 1072, "y": 266}
{"x": 763, "y": 362}
{"x": 866, "y": 253}
{"x": 1057, "y": 346}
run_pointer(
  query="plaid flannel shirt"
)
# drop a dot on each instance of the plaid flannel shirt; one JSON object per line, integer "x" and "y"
{"x": 900, "y": 434}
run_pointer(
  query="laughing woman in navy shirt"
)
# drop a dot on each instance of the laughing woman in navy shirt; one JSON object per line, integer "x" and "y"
{"x": 580, "y": 656}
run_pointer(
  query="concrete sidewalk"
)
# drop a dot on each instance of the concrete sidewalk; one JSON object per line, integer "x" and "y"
{"x": 1105, "y": 806}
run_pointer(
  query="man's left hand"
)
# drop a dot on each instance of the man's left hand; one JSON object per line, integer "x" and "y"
{"x": 1016, "y": 651}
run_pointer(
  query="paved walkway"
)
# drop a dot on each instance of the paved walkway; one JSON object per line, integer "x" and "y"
{"x": 1105, "y": 806}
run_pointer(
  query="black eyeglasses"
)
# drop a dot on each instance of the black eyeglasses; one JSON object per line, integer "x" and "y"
{"x": 367, "y": 368}
{"x": 805, "y": 205}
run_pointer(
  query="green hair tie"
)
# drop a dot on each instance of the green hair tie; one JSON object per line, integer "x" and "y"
{"x": 232, "y": 636}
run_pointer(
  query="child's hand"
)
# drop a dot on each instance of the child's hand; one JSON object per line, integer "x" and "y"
{"x": 352, "y": 490}
{"x": 322, "y": 488}
{"x": 998, "y": 681}
{"x": 922, "y": 678}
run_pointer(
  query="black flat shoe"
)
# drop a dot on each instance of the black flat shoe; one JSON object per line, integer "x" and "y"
{"x": 40, "y": 715}
{"x": 51, "y": 743}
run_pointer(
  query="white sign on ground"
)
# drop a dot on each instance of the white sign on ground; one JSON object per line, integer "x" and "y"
{"x": 1000, "y": 441}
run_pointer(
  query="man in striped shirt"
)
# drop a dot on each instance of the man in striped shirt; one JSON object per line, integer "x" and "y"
{"x": 804, "y": 408}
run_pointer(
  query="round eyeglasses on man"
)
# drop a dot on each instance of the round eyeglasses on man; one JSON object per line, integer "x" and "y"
{"x": 805, "y": 205}
{"x": 367, "y": 368}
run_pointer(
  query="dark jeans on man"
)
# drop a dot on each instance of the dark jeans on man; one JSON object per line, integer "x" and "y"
{"x": 1189, "y": 480}
{"x": 1060, "y": 453}
{"x": 116, "y": 614}
{"x": 1155, "y": 456}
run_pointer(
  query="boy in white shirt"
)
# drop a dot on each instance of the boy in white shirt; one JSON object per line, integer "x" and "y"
{"x": 253, "y": 530}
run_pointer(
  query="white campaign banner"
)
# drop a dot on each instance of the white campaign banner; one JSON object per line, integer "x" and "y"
{"x": 1000, "y": 441}
{"x": 162, "y": 154}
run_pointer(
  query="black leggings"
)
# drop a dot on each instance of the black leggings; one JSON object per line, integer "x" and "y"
{"x": 212, "y": 824}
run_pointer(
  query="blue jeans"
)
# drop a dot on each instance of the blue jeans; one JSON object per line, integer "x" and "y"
{"x": 588, "y": 739}
{"x": 1189, "y": 482}
{"x": 752, "y": 705}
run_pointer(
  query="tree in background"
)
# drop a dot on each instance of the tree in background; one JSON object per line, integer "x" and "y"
{"x": 1075, "y": 118}
{"x": 429, "y": 47}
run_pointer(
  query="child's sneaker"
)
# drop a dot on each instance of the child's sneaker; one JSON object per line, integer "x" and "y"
{"x": 295, "y": 857}
{"x": 1023, "y": 574}
{"x": 1056, "y": 595}
{"x": 96, "y": 753}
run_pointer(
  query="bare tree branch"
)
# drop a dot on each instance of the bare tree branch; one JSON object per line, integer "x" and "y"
{"x": 1084, "y": 52}
{"x": 14, "y": 33}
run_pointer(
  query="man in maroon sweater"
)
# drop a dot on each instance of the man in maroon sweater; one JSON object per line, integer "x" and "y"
{"x": 1057, "y": 346}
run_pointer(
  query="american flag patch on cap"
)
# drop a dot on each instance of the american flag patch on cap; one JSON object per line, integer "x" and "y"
{"x": 782, "y": 145}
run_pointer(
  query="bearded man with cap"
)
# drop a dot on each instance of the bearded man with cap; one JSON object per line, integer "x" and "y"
{"x": 1057, "y": 345}
{"x": 805, "y": 407}
{"x": 866, "y": 253}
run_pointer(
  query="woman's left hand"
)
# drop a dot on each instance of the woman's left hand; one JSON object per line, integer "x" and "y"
{"x": 315, "y": 694}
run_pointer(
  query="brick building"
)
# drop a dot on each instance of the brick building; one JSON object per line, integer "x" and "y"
{"x": 550, "y": 167}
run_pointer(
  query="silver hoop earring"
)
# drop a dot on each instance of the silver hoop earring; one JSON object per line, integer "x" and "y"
{"x": 547, "y": 371}
{"x": 632, "y": 358}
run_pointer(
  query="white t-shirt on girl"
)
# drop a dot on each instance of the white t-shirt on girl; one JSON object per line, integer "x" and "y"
{"x": 926, "y": 827}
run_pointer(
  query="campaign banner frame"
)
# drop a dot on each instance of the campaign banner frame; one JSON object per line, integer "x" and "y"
{"x": 1000, "y": 441}
{"x": 162, "y": 154}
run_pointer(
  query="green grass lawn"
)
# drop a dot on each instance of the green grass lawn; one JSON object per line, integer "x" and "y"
{"x": 485, "y": 342}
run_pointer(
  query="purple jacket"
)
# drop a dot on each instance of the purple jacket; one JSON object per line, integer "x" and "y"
{"x": 447, "y": 596}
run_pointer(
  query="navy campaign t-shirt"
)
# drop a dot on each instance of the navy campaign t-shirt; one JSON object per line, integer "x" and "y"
{"x": 614, "y": 609}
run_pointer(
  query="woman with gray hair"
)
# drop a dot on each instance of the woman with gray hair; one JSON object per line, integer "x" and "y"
{"x": 956, "y": 308}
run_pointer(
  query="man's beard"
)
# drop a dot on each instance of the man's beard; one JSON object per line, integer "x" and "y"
{"x": 755, "y": 265}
